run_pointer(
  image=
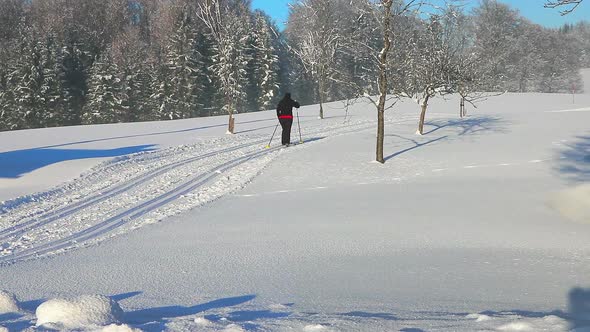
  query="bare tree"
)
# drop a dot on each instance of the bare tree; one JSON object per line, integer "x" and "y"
{"x": 229, "y": 33}
{"x": 467, "y": 77}
{"x": 315, "y": 40}
{"x": 573, "y": 4}
{"x": 383, "y": 80}
{"x": 386, "y": 11}
{"x": 387, "y": 14}
{"x": 431, "y": 66}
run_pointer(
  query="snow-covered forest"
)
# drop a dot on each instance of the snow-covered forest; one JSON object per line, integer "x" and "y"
{"x": 86, "y": 62}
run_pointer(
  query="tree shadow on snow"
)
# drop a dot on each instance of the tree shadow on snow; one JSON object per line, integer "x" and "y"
{"x": 468, "y": 126}
{"x": 154, "y": 319}
{"x": 416, "y": 145}
{"x": 125, "y": 296}
{"x": 156, "y": 133}
{"x": 453, "y": 129}
{"x": 577, "y": 315}
{"x": 378, "y": 315}
{"x": 574, "y": 160}
{"x": 14, "y": 164}
{"x": 9, "y": 316}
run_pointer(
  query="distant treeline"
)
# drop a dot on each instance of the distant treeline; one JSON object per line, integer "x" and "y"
{"x": 66, "y": 62}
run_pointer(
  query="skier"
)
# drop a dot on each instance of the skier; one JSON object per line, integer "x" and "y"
{"x": 285, "y": 115}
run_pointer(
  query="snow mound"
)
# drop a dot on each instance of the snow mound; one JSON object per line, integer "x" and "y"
{"x": 516, "y": 326}
{"x": 8, "y": 302}
{"x": 233, "y": 328}
{"x": 201, "y": 321}
{"x": 3, "y": 329}
{"x": 117, "y": 328}
{"x": 82, "y": 312}
{"x": 547, "y": 323}
{"x": 278, "y": 306}
{"x": 313, "y": 328}
{"x": 479, "y": 317}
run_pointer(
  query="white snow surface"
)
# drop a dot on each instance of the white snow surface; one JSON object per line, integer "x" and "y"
{"x": 117, "y": 328}
{"x": 8, "y": 302}
{"x": 477, "y": 225}
{"x": 80, "y": 313}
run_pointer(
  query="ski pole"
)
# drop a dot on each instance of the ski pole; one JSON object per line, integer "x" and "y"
{"x": 273, "y": 135}
{"x": 299, "y": 125}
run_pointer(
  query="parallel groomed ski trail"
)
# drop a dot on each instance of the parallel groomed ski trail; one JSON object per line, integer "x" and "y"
{"x": 114, "y": 219}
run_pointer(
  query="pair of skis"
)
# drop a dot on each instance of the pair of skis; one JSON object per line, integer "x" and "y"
{"x": 277, "y": 126}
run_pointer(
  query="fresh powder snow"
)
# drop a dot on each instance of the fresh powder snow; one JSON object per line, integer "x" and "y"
{"x": 480, "y": 224}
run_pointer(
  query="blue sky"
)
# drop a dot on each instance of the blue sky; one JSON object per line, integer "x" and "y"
{"x": 532, "y": 9}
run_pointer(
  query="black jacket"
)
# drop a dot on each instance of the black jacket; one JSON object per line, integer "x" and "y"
{"x": 285, "y": 107}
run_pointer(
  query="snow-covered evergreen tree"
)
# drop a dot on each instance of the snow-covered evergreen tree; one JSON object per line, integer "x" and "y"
{"x": 28, "y": 107}
{"x": 264, "y": 63}
{"x": 52, "y": 89}
{"x": 76, "y": 71}
{"x": 136, "y": 74}
{"x": 210, "y": 100}
{"x": 8, "y": 74}
{"x": 182, "y": 68}
{"x": 104, "y": 104}
{"x": 161, "y": 92}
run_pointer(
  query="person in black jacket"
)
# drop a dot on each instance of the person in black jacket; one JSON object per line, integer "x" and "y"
{"x": 285, "y": 115}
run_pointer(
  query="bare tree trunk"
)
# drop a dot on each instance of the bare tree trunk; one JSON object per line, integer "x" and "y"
{"x": 321, "y": 95}
{"x": 231, "y": 126}
{"x": 423, "y": 116}
{"x": 462, "y": 107}
{"x": 383, "y": 78}
{"x": 380, "y": 131}
{"x": 230, "y": 111}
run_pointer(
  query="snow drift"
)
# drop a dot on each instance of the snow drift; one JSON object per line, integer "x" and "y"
{"x": 117, "y": 328}
{"x": 8, "y": 302}
{"x": 80, "y": 313}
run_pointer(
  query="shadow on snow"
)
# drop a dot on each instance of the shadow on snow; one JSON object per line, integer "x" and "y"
{"x": 577, "y": 315}
{"x": 14, "y": 164}
{"x": 468, "y": 126}
{"x": 11, "y": 320}
{"x": 378, "y": 315}
{"x": 453, "y": 129}
{"x": 155, "y": 319}
{"x": 156, "y": 133}
{"x": 574, "y": 160}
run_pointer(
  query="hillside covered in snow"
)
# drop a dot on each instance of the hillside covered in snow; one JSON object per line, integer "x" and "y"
{"x": 481, "y": 224}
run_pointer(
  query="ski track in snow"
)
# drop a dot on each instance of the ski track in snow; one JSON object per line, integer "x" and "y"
{"x": 128, "y": 192}
{"x": 585, "y": 109}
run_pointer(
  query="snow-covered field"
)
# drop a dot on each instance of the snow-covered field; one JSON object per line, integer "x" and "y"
{"x": 482, "y": 224}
